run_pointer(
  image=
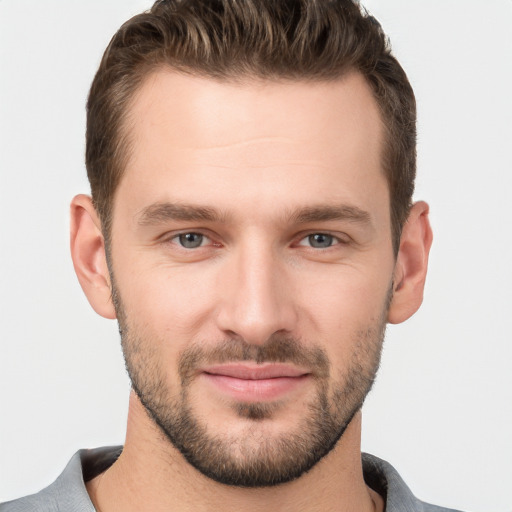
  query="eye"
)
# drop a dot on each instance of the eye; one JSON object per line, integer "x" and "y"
{"x": 319, "y": 240}
{"x": 191, "y": 240}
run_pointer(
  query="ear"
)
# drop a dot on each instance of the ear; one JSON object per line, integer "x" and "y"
{"x": 88, "y": 254}
{"x": 411, "y": 265}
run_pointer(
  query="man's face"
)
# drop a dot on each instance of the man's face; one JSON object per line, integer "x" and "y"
{"x": 252, "y": 262}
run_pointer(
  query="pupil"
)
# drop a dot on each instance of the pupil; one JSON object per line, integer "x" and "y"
{"x": 191, "y": 240}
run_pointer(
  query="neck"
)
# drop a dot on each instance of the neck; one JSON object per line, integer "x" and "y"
{"x": 152, "y": 475}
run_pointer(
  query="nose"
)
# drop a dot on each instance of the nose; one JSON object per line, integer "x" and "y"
{"x": 257, "y": 298}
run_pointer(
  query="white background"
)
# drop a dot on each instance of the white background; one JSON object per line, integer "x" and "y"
{"x": 441, "y": 411}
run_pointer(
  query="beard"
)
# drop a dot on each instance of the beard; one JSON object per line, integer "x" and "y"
{"x": 254, "y": 458}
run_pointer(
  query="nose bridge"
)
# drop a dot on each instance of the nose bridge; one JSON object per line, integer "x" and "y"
{"x": 256, "y": 302}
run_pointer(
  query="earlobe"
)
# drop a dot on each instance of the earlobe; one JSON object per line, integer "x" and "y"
{"x": 411, "y": 265}
{"x": 88, "y": 254}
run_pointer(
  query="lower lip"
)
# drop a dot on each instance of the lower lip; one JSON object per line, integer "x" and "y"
{"x": 255, "y": 390}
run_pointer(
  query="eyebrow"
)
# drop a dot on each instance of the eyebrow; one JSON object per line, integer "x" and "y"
{"x": 163, "y": 212}
{"x": 324, "y": 213}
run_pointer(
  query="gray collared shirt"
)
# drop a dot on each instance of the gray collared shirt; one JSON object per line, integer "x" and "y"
{"x": 68, "y": 492}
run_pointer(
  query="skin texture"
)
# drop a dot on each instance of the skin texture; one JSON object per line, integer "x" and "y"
{"x": 257, "y": 169}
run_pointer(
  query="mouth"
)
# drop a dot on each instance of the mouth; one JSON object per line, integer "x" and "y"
{"x": 251, "y": 382}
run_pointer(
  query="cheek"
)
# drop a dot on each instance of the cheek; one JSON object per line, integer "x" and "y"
{"x": 172, "y": 302}
{"x": 344, "y": 294}
{"x": 165, "y": 312}
{"x": 340, "y": 309}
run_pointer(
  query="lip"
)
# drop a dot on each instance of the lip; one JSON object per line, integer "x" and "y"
{"x": 255, "y": 383}
{"x": 253, "y": 371}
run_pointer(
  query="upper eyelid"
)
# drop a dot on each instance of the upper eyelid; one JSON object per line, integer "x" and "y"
{"x": 187, "y": 232}
{"x": 170, "y": 235}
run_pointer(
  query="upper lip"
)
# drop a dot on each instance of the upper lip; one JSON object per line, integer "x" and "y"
{"x": 248, "y": 371}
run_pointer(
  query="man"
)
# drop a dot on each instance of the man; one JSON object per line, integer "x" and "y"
{"x": 251, "y": 228}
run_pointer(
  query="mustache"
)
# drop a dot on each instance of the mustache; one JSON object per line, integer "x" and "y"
{"x": 277, "y": 349}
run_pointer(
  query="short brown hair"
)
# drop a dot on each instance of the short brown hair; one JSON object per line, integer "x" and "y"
{"x": 232, "y": 39}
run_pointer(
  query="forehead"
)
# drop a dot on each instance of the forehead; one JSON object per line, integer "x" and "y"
{"x": 207, "y": 112}
{"x": 257, "y": 139}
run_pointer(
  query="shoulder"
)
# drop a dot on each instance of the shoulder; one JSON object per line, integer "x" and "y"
{"x": 68, "y": 492}
{"x": 43, "y": 501}
{"x": 384, "y": 479}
